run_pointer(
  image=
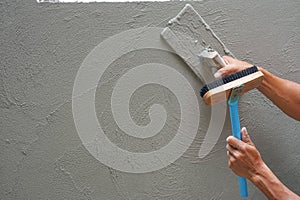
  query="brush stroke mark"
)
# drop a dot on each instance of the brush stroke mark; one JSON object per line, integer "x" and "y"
{"x": 83, "y": 108}
{"x": 187, "y": 34}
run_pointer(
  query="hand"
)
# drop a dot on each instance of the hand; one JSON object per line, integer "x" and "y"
{"x": 244, "y": 158}
{"x": 233, "y": 66}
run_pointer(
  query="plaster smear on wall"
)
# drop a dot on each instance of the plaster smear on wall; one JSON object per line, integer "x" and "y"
{"x": 42, "y": 49}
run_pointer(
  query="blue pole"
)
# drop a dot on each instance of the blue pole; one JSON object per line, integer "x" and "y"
{"x": 236, "y": 132}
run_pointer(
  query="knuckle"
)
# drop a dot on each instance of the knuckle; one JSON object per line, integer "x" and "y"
{"x": 243, "y": 148}
{"x": 240, "y": 156}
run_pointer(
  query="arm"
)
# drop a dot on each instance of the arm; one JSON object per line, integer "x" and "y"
{"x": 283, "y": 93}
{"x": 245, "y": 160}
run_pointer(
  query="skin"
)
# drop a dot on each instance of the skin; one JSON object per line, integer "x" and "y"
{"x": 245, "y": 160}
{"x": 243, "y": 157}
{"x": 283, "y": 93}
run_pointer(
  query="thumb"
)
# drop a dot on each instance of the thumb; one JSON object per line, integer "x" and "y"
{"x": 225, "y": 69}
{"x": 246, "y": 137}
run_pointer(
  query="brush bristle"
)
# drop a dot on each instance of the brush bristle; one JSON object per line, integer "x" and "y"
{"x": 227, "y": 79}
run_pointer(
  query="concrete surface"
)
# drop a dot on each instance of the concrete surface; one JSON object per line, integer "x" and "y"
{"x": 43, "y": 47}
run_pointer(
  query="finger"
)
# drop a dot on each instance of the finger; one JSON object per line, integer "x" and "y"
{"x": 225, "y": 71}
{"x": 219, "y": 73}
{"x": 246, "y": 137}
{"x": 228, "y": 59}
{"x": 231, "y": 160}
{"x": 235, "y": 143}
{"x": 229, "y": 154}
{"x": 233, "y": 152}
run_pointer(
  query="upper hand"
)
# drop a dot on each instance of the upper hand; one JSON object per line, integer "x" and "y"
{"x": 233, "y": 66}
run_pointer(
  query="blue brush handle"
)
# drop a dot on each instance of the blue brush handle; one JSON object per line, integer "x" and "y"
{"x": 236, "y": 132}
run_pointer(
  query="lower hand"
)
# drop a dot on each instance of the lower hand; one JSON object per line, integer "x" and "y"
{"x": 244, "y": 159}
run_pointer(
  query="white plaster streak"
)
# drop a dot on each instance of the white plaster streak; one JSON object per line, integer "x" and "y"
{"x": 93, "y": 1}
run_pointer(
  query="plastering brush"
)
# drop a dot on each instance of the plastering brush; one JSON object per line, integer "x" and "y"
{"x": 220, "y": 90}
{"x": 232, "y": 87}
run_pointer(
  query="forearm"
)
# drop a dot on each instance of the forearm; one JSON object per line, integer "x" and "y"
{"x": 271, "y": 186}
{"x": 283, "y": 93}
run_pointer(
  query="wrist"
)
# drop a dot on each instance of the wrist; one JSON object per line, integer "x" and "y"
{"x": 270, "y": 185}
{"x": 260, "y": 173}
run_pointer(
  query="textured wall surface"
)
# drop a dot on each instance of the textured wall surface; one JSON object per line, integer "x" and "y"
{"x": 43, "y": 47}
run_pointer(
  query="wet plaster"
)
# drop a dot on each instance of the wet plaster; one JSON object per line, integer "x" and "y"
{"x": 42, "y": 48}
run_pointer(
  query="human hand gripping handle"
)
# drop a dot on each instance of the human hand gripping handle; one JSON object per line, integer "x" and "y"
{"x": 232, "y": 66}
{"x": 244, "y": 158}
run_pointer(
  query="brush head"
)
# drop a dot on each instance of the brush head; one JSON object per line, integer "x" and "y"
{"x": 219, "y": 90}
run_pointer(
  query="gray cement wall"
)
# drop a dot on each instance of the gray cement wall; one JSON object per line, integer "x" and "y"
{"x": 42, "y": 49}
